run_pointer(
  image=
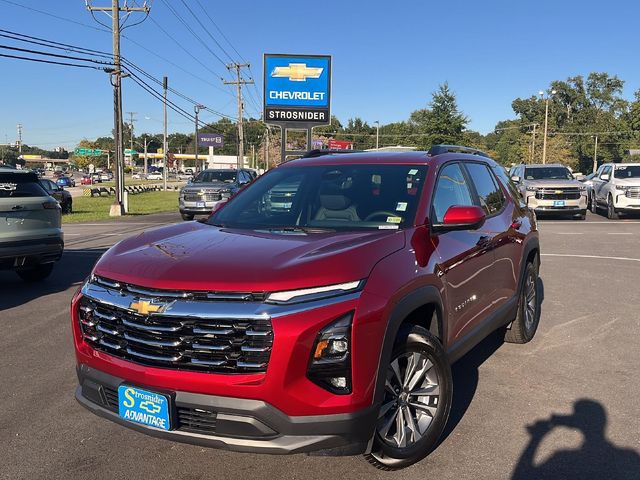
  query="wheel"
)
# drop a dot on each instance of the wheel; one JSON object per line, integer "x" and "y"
{"x": 35, "y": 274}
{"x": 186, "y": 216}
{"x": 582, "y": 215}
{"x": 594, "y": 204}
{"x": 417, "y": 401}
{"x": 524, "y": 327}
{"x": 67, "y": 207}
{"x": 611, "y": 211}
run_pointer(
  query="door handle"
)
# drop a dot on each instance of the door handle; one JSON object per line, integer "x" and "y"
{"x": 17, "y": 207}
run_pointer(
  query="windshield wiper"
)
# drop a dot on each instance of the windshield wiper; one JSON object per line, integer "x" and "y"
{"x": 295, "y": 228}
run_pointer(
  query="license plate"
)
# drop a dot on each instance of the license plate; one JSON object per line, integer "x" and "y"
{"x": 199, "y": 204}
{"x": 142, "y": 406}
{"x": 558, "y": 203}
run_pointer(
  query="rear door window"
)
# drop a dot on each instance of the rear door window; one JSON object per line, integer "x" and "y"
{"x": 489, "y": 194}
{"x": 20, "y": 185}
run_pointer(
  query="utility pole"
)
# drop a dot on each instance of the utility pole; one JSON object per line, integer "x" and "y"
{"x": 239, "y": 82}
{"x": 253, "y": 155}
{"x": 165, "y": 146}
{"x": 377, "y": 134}
{"x": 20, "y": 138}
{"x": 595, "y": 156}
{"x": 145, "y": 155}
{"x": 131, "y": 120}
{"x": 117, "y": 208}
{"x": 546, "y": 118}
{"x": 197, "y": 109}
{"x": 266, "y": 157}
{"x": 533, "y": 143}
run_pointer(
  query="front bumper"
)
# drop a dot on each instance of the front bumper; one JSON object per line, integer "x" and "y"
{"x": 570, "y": 207}
{"x": 626, "y": 204}
{"x": 192, "y": 208}
{"x": 242, "y": 425}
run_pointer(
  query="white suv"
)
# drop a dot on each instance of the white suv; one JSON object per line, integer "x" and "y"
{"x": 616, "y": 187}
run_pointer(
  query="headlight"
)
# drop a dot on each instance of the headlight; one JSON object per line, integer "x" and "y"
{"x": 330, "y": 362}
{"x": 532, "y": 189}
{"x": 225, "y": 193}
{"x": 317, "y": 293}
{"x": 622, "y": 187}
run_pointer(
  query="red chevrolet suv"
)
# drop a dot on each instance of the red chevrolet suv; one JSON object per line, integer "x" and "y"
{"x": 319, "y": 310}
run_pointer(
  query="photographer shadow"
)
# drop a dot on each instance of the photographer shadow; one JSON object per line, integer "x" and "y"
{"x": 596, "y": 458}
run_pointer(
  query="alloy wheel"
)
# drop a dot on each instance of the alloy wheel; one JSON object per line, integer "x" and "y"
{"x": 412, "y": 392}
{"x": 531, "y": 300}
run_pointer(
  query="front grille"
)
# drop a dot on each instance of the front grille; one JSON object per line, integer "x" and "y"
{"x": 203, "y": 197}
{"x": 633, "y": 192}
{"x": 197, "y": 420}
{"x": 228, "y": 345}
{"x": 558, "y": 194}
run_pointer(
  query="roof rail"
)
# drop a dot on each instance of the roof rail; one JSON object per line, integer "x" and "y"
{"x": 440, "y": 149}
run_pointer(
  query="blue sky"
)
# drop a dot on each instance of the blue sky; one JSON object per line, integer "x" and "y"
{"x": 387, "y": 57}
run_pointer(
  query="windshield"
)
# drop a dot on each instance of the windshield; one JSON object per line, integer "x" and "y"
{"x": 547, "y": 173}
{"x": 627, "y": 171}
{"x": 335, "y": 197}
{"x": 213, "y": 176}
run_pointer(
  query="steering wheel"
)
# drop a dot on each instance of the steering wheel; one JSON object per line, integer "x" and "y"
{"x": 380, "y": 213}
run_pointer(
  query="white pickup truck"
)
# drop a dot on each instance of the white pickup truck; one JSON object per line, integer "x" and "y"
{"x": 616, "y": 188}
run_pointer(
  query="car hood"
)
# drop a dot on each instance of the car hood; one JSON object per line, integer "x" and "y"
{"x": 196, "y": 256}
{"x": 208, "y": 186}
{"x": 549, "y": 183}
{"x": 628, "y": 182}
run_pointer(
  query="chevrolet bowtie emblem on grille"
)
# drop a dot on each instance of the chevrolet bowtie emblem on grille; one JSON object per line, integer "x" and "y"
{"x": 145, "y": 308}
{"x": 297, "y": 72}
{"x": 558, "y": 191}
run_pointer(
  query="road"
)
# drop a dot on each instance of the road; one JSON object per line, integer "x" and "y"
{"x": 586, "y": 349}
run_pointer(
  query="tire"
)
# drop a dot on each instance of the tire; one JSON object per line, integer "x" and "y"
{"x": 524, "y": 327}
{"x": 67, "y": 207}
{"x": 582, "y": 215}
{"x": 594, "y": 204}
{"x": 611, "y": 211}
{"x": 37, "y": 273}
{"x": 186, "y": 216}
{"x": 415, "y": 346}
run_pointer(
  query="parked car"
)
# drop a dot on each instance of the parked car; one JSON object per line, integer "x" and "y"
{"x": 551, "y": 189}
{"x": 66, "y": 181}
{"x": 96, "y": 178}
{"x": 106, "y": 176}
{"x": 329, "y": 326}
{"x": 154, "y": 176}
{"x": 31, "y": 238}
{"x": 86, "y": 180}
{"x": 59, "y": 193}
{"x": 209, "y": 189}
{"x": 616, "y": 188}
{"x": 587, "y": 180}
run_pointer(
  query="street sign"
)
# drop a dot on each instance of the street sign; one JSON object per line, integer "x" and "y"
{"x": 128, "y": 151}
{"x": 88, "y": 152}
{"x": 340, "y": 144}
{"x": 297, "y": 90}
{"x": 210, "y": 140}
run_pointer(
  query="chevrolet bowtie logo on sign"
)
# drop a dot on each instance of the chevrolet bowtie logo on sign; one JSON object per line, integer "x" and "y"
{"x": 297, "y": 90}
{"x": 297, "y": 72}
{"x": 145, "y": 308}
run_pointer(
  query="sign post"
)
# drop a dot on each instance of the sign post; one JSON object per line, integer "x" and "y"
{"x": 297, "y": 94}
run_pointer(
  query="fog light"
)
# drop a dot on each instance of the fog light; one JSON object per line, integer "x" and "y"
{"x": 339, "y": 382}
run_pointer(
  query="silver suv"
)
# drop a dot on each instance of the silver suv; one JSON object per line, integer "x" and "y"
{"x": 31, "y": 238}
{"x": 551, "y": 189}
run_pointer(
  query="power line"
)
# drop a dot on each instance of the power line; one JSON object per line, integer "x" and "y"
{"x": 53, "y": 62}
{"x": 206, "y": 30}
{"x": 55, "y": 16}
{"x": 186, "y": 25}
{"x": 55, "y": 55}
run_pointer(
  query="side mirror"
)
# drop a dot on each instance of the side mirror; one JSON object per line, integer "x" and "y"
{"x": 459, "y": 217}
{"x": 605, "y": 177}
{"x": 515, "y": 179}
{"x": 580, "y": 178}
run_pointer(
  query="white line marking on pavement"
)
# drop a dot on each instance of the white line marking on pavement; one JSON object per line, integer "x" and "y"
{"x": 101, "y": 234}
{"x": 619, "y": 233}
{"x": 568, "y": 233}
{"x": 590, "y": 256}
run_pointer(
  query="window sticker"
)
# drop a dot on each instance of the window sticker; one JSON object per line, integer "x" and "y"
{"x": 413, "y": 171}
{"x": 394, "y": 219}
{"x": 401, "y": 207}
{"x": 387, "y": 227}
{"x": 8, "y": 186}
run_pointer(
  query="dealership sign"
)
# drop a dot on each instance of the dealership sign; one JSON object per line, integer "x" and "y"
{"x": 210, "y": 140}
{"x": 297, "y": 89}
{"x": 340, "y": 144}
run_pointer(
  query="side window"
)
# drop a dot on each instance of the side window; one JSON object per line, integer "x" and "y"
{"x": 606, "y": 170}
{"x": 243, "y": 177}
{"x": 489, "y": 194}
{"x": 451, "y": 189}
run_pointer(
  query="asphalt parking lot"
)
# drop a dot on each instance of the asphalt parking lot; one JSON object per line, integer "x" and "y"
{"x": 567, "y": 400}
